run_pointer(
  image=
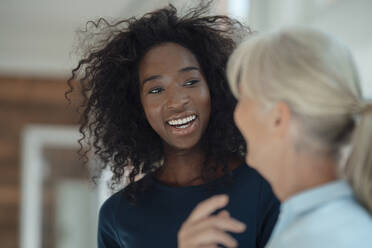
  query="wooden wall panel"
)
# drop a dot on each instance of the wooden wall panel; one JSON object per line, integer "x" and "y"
{"x": 24, "y": 101}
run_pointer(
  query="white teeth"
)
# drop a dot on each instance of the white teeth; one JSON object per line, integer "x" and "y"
{"x": 182, "y": 121}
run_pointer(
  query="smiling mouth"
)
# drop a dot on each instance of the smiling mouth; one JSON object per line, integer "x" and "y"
{"x": 182, "y": 122}
{"x": 183, "y": 126}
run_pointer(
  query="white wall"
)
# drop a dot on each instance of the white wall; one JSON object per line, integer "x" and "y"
{"x": 37, "y": 36}
{"x": 349, "y": 21}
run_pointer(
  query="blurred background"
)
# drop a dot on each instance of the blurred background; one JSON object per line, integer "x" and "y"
{"x": 46, "y": 198}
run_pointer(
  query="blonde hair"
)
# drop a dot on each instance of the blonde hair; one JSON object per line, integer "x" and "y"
{"x": 317, "y": 78}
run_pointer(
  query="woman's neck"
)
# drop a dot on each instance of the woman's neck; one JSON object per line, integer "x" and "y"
{"x": 184, "y": 167}
{"x": 309, "y": 171}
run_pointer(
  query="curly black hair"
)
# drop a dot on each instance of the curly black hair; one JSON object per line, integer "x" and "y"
{"x": 113, "y": 119}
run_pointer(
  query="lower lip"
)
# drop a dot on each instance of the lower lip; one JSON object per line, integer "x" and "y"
{"x": 184, "y": 131}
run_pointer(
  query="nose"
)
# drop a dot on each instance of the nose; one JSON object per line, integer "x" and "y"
{"x": 177, "y": 99}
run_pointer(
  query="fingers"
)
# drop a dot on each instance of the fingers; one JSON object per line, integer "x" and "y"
{"x": 206, "y": 238}
{"x": 222, "y": 223}
{"x": 208, "y": 206}
{"x": 204, "y": 230}
{"x": 223, "y": 214}
{"x": 213, "y": 236}
{"x": 212, "y": 230}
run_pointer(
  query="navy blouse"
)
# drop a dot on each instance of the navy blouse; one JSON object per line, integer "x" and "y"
{"x": 159, "y": 212}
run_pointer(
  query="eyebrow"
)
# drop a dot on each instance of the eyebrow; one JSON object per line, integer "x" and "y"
{"x": 150, "y": 78}
{"x": 185, "y": 69}
{"x": 189, "y": 68}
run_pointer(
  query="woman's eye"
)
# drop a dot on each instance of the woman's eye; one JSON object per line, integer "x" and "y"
{"x": 191, "y": 82}
{"x": 155, "y": 91}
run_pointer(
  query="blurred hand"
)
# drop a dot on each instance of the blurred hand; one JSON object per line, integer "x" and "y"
{"x": 203, "y": 230}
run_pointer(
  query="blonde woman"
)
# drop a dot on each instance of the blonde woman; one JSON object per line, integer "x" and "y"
{"x": 309, "y": 133}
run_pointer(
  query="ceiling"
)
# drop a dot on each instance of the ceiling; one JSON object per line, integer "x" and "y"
{"x": 37, "y": 37}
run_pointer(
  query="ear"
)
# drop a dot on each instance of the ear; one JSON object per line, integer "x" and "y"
{"x": 280, "y": 119}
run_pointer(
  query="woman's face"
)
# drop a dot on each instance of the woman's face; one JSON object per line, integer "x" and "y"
{"x": 251, "y": 123}
{"x": 266, "y": 136}
{"x": 174, "y": 95}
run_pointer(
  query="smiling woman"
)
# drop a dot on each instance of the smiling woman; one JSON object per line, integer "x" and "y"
{"x": 174, "y": 95}
{"x": 158, "y": 104}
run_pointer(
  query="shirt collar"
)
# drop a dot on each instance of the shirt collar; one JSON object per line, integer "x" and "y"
{"x": 315, "y": 197}
{"x": 308, "y": 200}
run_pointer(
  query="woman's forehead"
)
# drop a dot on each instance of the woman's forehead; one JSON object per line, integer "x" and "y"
{"x": 166, "y": 58}
{"x": 169, "y": 54}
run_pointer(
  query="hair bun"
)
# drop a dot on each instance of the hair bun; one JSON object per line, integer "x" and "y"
{"x": 366, "y": 107}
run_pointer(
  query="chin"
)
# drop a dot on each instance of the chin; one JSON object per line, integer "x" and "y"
{"x": 183, "y": 145}
{"x": 249, "y": 161}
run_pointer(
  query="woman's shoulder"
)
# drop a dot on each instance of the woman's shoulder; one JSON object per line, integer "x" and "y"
{"x": 248, "y": 175}
{"x": 121, "y": 198}
{"x": 107, "y": 217}
{"x": 345, "y": 212}
{"x": 251, "y": 182}
{"x": 348, "y": 216}
{"x": 110, "y": 205}
{"x": 343, "y": 223}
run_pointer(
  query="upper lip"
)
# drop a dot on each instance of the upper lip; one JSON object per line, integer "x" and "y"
{"x": 181, "y": 116}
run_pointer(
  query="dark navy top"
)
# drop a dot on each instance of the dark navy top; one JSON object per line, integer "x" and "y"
{"x": 159, "y": 212}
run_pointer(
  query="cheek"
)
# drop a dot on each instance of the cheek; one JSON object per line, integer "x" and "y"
{"x": 264, "y": 154}
{"x": 153, "y": 115}
{"x": 241, "y": 121}
{"x": 207, "y": 104}
{"x": 237, "y": 116}
{"x": 204, "y": 100}
{"x": 254, "y": 134}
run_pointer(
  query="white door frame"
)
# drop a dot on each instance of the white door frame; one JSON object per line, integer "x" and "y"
{"x": 34, "y": 167}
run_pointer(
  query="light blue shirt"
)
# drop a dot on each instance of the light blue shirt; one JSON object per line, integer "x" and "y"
{"x": 325, "y": 216}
